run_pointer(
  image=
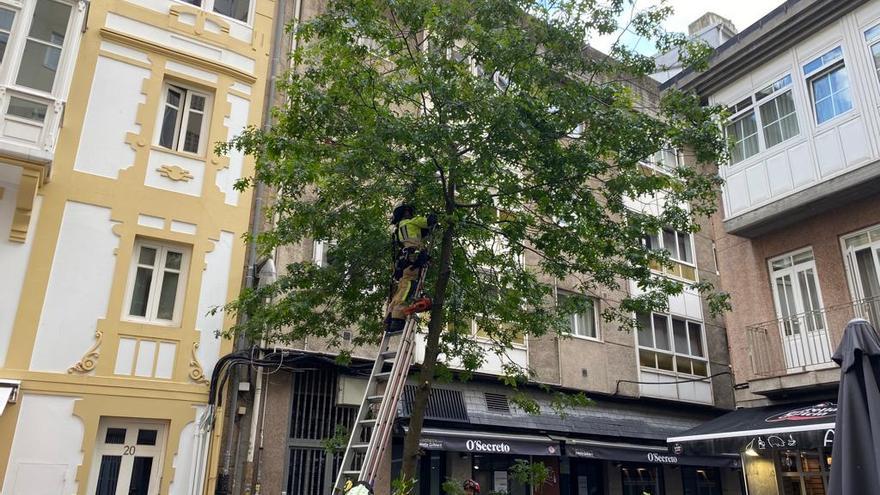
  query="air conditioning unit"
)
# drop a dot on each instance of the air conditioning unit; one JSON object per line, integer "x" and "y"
{"x": 350, "y": 390}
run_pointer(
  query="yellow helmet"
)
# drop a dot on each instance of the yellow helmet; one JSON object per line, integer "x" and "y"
{"x": 348, "y": 486}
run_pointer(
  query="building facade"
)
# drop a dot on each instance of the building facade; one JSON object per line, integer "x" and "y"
{"x": 120, "y": 230}
{"x": 797, "y": 236}
{"x": 647, "y": 385}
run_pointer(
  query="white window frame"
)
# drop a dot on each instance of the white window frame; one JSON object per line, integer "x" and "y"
{"x": 183, "y": 118}
{"x": 128, "y": 450}
{"x": 208, "y": 6}
{"x": 673, "y": 352}
{"x": 573, "y": 320}
{"x": 791, "y": 324}
{"x": 872, "y": 39}
{"x": 825, "y": 68}
{"x": 674, "y": 255}
{"x": 158, "y": 276}
{"x": 750, "y": 106}
{"x": 872, "y": 235}
{"x": 319, "y": 251}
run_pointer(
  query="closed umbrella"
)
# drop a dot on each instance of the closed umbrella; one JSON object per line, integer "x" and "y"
{"x": 855, "y": 466}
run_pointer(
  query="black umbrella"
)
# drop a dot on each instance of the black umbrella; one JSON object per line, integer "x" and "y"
{"x": 855, "y": 466}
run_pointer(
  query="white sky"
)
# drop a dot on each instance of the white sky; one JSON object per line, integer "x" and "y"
{"x": 742, "y": 12}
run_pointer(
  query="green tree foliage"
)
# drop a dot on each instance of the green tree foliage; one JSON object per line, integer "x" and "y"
{"x": 497, "y": 116}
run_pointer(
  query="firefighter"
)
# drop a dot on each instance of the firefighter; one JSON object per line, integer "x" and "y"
{"x": 471, "y": 487}
{"x": 409, "y": 236}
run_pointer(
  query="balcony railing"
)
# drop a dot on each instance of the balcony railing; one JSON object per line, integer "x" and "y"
{"x": 806, "y": 341}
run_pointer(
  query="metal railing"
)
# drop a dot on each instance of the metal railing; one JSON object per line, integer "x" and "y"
{"x": 805, "y": 341}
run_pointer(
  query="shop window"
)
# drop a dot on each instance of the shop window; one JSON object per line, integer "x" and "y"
{"x": 235, "y": 9}
{"x": 701, "y": 480}
{"x": 156, "y": 282}
{"x": 128, "y": 457}
{"x": 671, "y": 344}
{"x": 804, "y": 472}
{"x": 641, "y": 480}
{"x": 184, "y": 122}
{"x": 829, "y": 85}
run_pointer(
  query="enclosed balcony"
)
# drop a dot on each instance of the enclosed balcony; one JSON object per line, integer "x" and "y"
{"x": 792, "y": 353}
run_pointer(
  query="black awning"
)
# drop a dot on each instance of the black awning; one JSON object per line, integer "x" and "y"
{"x": 644, "y": 455}
{"x": 487, "y": 443}
{"x": 793, "y": 426}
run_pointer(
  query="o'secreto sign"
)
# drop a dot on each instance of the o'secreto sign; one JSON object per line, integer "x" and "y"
{"x": 665, "y": 459}
{"x": 480, "y": 446}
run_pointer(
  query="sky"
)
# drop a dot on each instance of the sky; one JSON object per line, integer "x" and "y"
{"x": 742, "y": 12}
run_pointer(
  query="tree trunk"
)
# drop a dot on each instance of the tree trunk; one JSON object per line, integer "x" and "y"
{"x": 432, "y": 349}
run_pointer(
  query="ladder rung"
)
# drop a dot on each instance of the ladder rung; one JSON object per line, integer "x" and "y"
{"x": 360, "y": 446}
{"x": 375, "y": 398}
{"x": 387, "y": 354}
{"x": 351, "y": 473}
{"x": 384, "y": 375}
{"x": 368, "y": 421}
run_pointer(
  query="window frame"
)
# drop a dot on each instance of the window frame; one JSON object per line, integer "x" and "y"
{"x": 208, "y": 6}
{"x": 156, "y": 281}
{"x": 673, "y": 255}
{"x": 561, "y": 293}
{"x": 183, "y": 115}
{"x": 750, "y": 106}
{"x": 824, "y": 69}
{"x": 131, "y": 427}
{"x": 673, "y": 353}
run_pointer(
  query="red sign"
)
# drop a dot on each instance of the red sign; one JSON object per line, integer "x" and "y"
{"x": 818, "y": 411}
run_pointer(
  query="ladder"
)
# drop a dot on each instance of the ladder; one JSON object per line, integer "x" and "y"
{"x": 378, "y": 410}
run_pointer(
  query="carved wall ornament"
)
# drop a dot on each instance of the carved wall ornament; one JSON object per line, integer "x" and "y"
{"x": 175, "y": 173}
{"x": 90, "y": 359}
{"x": 196, "y": 372}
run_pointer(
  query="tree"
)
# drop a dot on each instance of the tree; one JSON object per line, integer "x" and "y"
{"x": 495, "y": 115}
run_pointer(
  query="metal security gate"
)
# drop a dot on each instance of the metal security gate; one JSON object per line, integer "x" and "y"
{"x": 315, "y": 415}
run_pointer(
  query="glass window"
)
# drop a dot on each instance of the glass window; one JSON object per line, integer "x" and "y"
{"x": 671, "y": 344}
{"x": 184, "y": 120}
{"x": 157, "y": 283}
{"x": 641, "y": 480}
{"x": 42, "y": 50}
{"x": 831, "y": 94}
{"x": 779, "y": 119}
{"x": 237, "y": 9}
{"x": 678, "y": 244}
{"x": 743, "y": 131}
{"x": 582, "y": 324}
{"x": 27, "y": 109}
{"x": 701, "y": 480}
{"x": 6, "y": 18}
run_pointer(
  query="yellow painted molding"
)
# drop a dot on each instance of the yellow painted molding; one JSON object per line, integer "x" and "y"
{"x": 24, "y": 204}
{"x": 210, "y": 65}
{"x": 201, "y": 16}
{"x": 90, "y": 359}
{"x": 175, "y": 173}
{"x": 196, "y": 372}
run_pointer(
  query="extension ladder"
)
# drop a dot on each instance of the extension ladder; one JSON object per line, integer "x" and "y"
{"x": 378, "y": 410}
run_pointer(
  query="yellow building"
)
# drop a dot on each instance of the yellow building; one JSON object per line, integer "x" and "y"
{"x": 119, "y": 230}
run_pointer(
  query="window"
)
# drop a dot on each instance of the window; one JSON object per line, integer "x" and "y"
{"x": 156, "y": 282}
{"x": 6, "y": 18}
{"x": 796, "y": 291}
{"x": 128, "y": 458}
{"x": 701, "y": 480}
{"x": 582, "y": 324}
{"x": 829, "y": 85}
{"x": 872, "y": 36}
{"x": 236, "y": 9}
{"x": 321, "y": 252}
{"x": 862, "y": 252}
{"x": 42, "y": 50}
{"x": 641, "y": 479}
{"x": 678, "y": 244}
{"x": 778, "y": 115}
{"x": 184, "y": 122}
{"x": 671, "y": 343}
{"x": 776, "y": 118}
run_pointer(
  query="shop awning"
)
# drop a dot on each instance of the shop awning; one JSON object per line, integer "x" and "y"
{"x": 645, "y": 454}
{"x": 8, "y": 393}
{"x": 487, "y": 443}
{"x": 806, "y": 425}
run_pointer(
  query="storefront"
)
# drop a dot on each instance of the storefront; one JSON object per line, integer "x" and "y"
{"x": 785, "y": 449}
{"x": 574, "y": 466}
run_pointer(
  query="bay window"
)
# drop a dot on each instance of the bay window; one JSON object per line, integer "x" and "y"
{"x": 672, "y": 344}
{"x": 829, "y": 85}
